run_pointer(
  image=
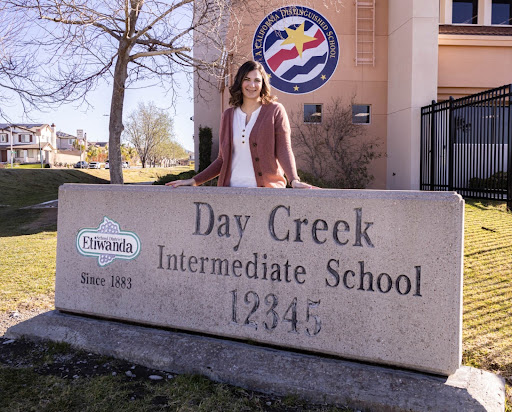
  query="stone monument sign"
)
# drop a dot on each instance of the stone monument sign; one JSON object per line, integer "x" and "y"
{"x": 366, "y": 275}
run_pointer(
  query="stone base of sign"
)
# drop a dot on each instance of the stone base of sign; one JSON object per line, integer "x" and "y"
{"x": 314, "y": 378}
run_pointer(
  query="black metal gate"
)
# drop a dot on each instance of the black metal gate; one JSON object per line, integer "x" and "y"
{"x": 466, "y": 145}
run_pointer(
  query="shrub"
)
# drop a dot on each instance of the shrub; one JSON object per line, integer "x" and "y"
{"x": 162, "y": 180}
{"x": 312, "y": 179}
{"x": 205, "y": 147}
{"x": 497, "y": 181}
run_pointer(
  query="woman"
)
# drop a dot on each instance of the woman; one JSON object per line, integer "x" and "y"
{"x": 254, "y": 138}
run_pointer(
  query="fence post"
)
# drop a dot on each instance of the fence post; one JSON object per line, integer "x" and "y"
{"x": 451, "y": 142}
{"x": 509, "y": 162}
{"x": 432, "y": 146}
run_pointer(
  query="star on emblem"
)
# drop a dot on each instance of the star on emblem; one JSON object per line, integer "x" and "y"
{"x": 297, "y": 37}
{"x": 323, "y": 77}
{"x": 296, "y": 88}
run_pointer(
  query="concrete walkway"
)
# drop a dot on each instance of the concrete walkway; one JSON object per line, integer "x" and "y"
{"x": 45, "y": 205}
{"x": 55, "y": 203}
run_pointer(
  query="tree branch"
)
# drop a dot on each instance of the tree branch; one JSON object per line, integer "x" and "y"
{"x": 160, "y": 52}
{"x": 161, "y": 17}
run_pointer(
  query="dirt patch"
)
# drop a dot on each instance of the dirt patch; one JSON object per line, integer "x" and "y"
{"x": 13, "y": 317}
{"x": 26, "y": 310}
{"x": 133, "y": 382}
{"x": 64, "y": 362}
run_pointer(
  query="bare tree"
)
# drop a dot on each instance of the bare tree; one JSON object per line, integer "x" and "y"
{"x": 335, "y": 150}
{"x": 79, "y": 45}
{"x": 149, "y": 129}
{"x": 16, "y": 68}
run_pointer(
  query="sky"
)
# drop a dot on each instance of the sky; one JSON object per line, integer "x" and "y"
{"x": 94, "y": 120}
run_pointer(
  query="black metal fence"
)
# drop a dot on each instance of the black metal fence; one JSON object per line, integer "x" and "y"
{"x": 466, "y": 145}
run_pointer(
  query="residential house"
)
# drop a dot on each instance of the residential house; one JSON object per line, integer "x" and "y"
{"x": 70, "y": 149}
{"x": 67, "y": 141}
{"x": 27, "y": 143}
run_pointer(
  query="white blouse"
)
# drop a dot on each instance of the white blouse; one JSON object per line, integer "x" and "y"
{"x": 242, "y": 169}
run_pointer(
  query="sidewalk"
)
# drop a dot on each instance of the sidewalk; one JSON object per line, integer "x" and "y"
{"x": 55, "y": 203}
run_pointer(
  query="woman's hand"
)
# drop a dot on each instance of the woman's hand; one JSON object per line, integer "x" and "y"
{"x": 297, "y": 184}
{"x": 187, "y": 182}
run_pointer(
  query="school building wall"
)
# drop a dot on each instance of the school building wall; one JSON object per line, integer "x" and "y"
{"x": 414, "y": 64}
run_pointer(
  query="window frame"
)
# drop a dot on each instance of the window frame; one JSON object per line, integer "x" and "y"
{"x": 369, "y": 122}
{"x": 475, "y": 12}
{"x": 316, "y": 110}
{"x": 4, "y": 138}
{"x": 510, "y": 12}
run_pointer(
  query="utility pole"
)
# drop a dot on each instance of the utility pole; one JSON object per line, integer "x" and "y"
{"x": 80, "y": 137}
{"x": 40, "y": 152}
{"x": 12, "y": 151}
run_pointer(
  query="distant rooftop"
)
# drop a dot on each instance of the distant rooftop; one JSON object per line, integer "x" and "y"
{"x": 26, "y": 125}
{"x": 65, "y": 135}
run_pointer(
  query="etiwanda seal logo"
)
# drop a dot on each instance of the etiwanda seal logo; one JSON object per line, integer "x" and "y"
{"x": 298, "y": 48}
{"x": 107, "y": 242}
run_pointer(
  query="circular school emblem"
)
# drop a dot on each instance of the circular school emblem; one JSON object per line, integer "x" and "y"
{"x": 298, "y": 48}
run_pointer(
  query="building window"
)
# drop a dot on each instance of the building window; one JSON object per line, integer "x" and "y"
{"x": 312, "y": 113}
{"x": 465, "y": 12}
{"x": 25, "y": 138}
{"x": 3, "y": 138}
{"x": 70, "y": 142}
{"x": 361, "y": 114}
{"x": 501, "y": 12}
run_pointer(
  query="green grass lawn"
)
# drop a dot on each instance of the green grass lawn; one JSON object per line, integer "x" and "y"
{"x": 487, "y": 327}
{"x": 28, "y": 270}
{"x": 24, "y": 166}
{"x": 25, "y": 187}
{"x": 27, "y": 273}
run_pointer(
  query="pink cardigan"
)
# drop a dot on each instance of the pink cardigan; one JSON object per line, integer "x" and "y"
{"x": 270, "y": 145}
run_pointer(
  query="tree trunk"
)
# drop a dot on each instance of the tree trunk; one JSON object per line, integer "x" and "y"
{"x": 116, "y": 114}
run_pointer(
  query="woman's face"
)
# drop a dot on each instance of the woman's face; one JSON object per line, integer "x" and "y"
{"x": 251, "y": 85}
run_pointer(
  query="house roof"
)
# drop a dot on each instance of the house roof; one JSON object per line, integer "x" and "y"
{"x": 475, "y": 30}
{"x": 64, "y": 135}
{"x": 99, "y": 144}
{"x": 24, "y": 125}
{"x": 29, "y": 127}
{"x": 26, "y": 146}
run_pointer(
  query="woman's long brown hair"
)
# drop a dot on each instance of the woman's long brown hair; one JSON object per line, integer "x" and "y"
{"x": 235, "y": 90}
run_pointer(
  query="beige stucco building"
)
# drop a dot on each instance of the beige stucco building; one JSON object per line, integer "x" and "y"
{"x": 393, "y": 57}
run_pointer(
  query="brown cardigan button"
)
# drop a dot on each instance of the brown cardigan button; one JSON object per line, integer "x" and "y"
{"x": 255, "y": 144}
{"x": 260, "y": 174}
{"x": 257, "y": 159}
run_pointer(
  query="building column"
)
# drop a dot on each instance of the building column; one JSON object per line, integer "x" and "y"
{"x": 412, "y": 83}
